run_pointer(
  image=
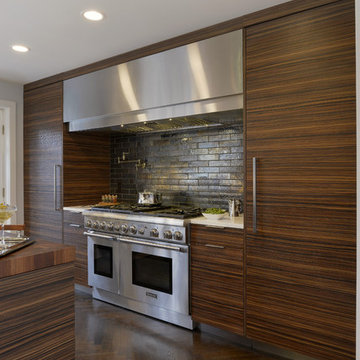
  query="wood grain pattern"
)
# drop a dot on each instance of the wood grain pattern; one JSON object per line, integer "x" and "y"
{"x": 86, "y": 167}
{"x": 38, "y": 255}
{"x": 14, "y": 227}
{"x": 42, "y": 151}
{"x": 205, "y": 33}
{"x": 84, "y": 157}
{"x": 37, "y": 314}
{"x": 300, "y": 125}
{"x": 74, "y": 236}
{"x": 217, "y": 277}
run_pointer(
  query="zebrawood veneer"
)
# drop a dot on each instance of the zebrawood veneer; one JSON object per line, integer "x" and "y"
{"x": 73, "y": 235}
{"x": 300, "y": 125}
{"x": 217, "y": 280}
{"x": 42, "y": 151}
{"x": 37, "y": 303}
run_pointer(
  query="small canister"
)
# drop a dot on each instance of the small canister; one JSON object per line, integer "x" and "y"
{"x": 235, "y": 207}
{"x": 232, "y": 208}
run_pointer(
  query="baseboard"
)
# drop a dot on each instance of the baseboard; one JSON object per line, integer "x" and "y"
{"x": 251, "y": 344}
{"x": 84, "y": 289}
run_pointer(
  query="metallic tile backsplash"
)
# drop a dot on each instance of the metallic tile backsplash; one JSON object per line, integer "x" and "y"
{"x": 202, "y": 167}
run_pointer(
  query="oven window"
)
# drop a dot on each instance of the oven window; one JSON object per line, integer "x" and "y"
{"x": 153, "y": 272}
{"x": 103, "y": 260}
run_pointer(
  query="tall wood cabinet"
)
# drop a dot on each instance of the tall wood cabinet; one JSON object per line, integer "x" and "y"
{"x": 43, "y": 160}
{"x": 60, "y": 168}
{"x": 301, "y": 186}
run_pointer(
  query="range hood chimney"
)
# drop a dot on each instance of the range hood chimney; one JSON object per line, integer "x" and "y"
{"x": 200, "y": 78}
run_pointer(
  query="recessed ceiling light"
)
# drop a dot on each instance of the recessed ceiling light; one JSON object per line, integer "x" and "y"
{"x": 20, "y": 48}
{"x": 92, "y": 15}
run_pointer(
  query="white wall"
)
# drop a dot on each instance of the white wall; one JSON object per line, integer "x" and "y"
{"x": 14, "y": 92}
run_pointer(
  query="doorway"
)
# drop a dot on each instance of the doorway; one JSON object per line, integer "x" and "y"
{"x": 8, "y": 153}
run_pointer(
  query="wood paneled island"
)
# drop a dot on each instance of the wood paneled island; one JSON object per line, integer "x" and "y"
{"x": 37, "y": 319}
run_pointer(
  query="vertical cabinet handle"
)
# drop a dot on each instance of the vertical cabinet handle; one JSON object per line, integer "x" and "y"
{"x": 56, "y": 207}
{"x": 254, "y": 194}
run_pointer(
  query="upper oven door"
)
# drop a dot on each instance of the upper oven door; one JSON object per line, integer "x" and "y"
{"x": 103, "y": 262}
{"x": 155, "y": 273}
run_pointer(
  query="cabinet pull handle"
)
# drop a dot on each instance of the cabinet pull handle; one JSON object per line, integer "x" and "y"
{"x": 56, "y": 207}
{"x": 254, "y": 194}
{"x": 75, "y": 225}
{"x": 90, "y": 233}
{"x": 215, "y": 246}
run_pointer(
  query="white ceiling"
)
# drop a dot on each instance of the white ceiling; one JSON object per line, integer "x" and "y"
{"x": 60, "y": 39}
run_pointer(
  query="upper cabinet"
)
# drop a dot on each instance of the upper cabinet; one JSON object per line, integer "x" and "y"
{"x": 59, "y": 168}
{"x": 301, "y": 185}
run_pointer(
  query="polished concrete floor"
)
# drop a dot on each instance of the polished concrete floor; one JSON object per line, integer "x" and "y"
{"x": 107, "y": 332}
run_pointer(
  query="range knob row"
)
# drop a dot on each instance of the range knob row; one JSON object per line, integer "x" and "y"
{"x": 177, "y": 235}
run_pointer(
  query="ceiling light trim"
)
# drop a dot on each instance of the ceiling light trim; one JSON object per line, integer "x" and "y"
{"x": 93, "y": 15}
{"x": 20, "y": 48}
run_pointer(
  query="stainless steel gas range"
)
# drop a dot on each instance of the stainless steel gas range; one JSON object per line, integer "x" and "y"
{"x": 138, "y": 258}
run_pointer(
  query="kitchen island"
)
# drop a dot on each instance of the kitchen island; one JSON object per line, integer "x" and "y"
{"x": 37, "y": 303}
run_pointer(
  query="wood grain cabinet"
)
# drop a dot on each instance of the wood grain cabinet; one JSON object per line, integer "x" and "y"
{"x": 43, "y": 159}
{"x": 74, "y": 235}
{"x": 217, "y": 277}
{"x": 301, "y": 146}
{"x": 60, "y": 168}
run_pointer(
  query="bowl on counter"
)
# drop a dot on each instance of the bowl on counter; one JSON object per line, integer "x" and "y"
{"x": 214, "y": 216}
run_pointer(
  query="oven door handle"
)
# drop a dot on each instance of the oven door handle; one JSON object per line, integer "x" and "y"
{"x": 90, "y": 233}
{"x": 139, "y": 242}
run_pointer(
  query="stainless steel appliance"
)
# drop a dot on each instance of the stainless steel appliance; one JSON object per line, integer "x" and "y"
{"x": 138, "y": 258}
{"x": 149, "y": 198}
{"x": 199, "y": 78}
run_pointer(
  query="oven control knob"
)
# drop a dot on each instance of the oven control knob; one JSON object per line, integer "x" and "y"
{"x": 154, "y": 233}
{"x": 178, "y": 235}
{"x": 103, "y": 225}
{"x": 168, "y": 234}
{"x": 142, "y": 231}
{"x": 96, "y": 225}
{"x": 110, "y": 226}
{"x": 88, "y": 223}
{"x": 117, "y": 227}
{"x": 124, "y": 228}
{"x": 133, "y": 229}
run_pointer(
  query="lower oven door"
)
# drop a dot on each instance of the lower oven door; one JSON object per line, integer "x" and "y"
{"x": 103, "y": 262}
{"x": 155, "y": 273}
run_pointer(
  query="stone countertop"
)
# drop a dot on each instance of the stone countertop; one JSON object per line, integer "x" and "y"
{"x": 77, "y": 208}
{"x": 226, "y": 222}
{"x": 233, "y": 222}
{"x": 38, "y": 255}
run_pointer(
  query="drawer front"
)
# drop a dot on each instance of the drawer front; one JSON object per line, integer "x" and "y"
{"x": 218, "y": 250}
{"x": 228, "y": 237}
{"x": 73, "y": 218}
{"x": 73, "y": 235}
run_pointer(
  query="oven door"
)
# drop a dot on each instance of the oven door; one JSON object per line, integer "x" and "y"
{"x": 103, "y": 262}
{"x": 155, "y": 273}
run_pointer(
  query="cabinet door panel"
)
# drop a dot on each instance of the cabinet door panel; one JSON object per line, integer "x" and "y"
{"x": 42, "y": 151}
{"x": 74, "y": 235}
{"x": 217, "y": 277}
{"x": 300, "y": 127}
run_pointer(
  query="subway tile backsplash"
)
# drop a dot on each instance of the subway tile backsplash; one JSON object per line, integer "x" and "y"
{"x": 202, "y": 167}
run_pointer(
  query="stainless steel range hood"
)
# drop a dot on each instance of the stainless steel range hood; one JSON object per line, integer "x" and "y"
{"x": 199, "y": 78}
